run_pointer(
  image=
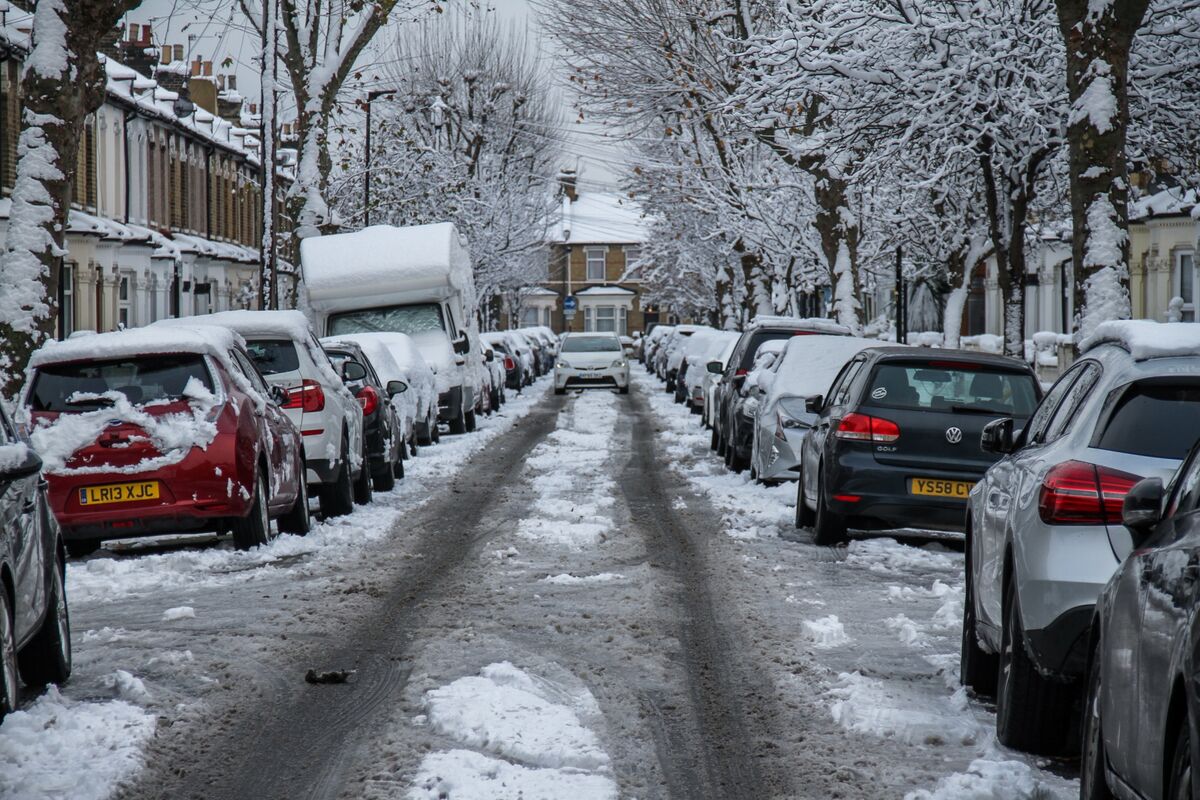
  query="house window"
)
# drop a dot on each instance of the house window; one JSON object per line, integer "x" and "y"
{"x": 66, "y": 307}
{"x": 529, "y": 317}
{"x": 595, "y": 263}
{"x": 632, "y": 254}
{"x": 606, "y": 319}
{"x": 588, "y": 319}
{"x": 124, "y": 307}
{"x": 1184, "y": 282}
{"x": 623, "y": 323}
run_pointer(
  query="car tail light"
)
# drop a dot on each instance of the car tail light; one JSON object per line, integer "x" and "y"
{"x": 509, "y": 364}
{"x": 1078, "y": 493}
{"x": 862, "y": 428}
{"x": 308, "y": 396}
{"x": 368, "y": 398}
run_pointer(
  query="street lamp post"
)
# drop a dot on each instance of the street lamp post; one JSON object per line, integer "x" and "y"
{"x": 371, "y": 95}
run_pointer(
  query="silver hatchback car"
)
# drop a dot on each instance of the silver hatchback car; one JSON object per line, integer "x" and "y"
{"x": 1044, "y": 530}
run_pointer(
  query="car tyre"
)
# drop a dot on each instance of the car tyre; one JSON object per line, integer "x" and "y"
{"x": 977, "y": 669}
{"x": 297, "y": 520}
{"x": 458, "y": 425}
{"x": 715, "y": 441}
{"x": 337, "y": 498}
{"x": 804, "y": 515}
{"x": 560, "y": 391}
{"x": 47, "y": 657}
{"x": 1093, "y": 784}
{"x": 1033, "y": 713}
{"x": 385, "y": 479}
{"x": 255, "y": 528}
{"x": 625, "y": 389}
{"x": 362, "y": 485}
{"x": 78, "y": 548}
{"x": 829, "y": 527}
{"x": 10, "y": 682}
{"x": 469, "y": 422}
{"x": 1180, "y": 777}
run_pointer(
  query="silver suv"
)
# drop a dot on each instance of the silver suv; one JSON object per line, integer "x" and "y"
{"x": 1044, "y": 531}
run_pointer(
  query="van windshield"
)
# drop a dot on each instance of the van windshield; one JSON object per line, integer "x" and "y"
{"x": 412, "y": 319}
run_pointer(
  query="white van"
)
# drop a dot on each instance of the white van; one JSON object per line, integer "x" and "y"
{"x": 415, "y": 280}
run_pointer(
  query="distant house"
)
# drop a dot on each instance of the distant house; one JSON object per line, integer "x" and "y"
{"x": 594, "y": 241}
{"x": 1163, "y": 237}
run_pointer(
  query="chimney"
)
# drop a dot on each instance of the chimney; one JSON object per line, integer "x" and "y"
{"x": 566, "y": 182}
{"x": 178, "y": 52}
{"x": 208, "y": 69}
{"x": 196, "y": 66}
{"x": 137, "y": 51}
{"x": 231, "y": 83}
{"x": 110, "y": 43}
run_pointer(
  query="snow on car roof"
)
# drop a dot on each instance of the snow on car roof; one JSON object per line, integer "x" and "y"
{"x": 801, "y": 323}
{"x": 810, "y": 363}
{"x": 199, "y": 339}
{"x": 287, "y": 324}
{"x": 1143, "y": 338}
{"x": 400, "y": 347}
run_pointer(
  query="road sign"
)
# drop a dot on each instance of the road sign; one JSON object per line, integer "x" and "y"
{"x": 570, "y": 303}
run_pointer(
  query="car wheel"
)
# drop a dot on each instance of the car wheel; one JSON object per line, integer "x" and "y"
{"x": 47, "y": 658}
{"x": 625, "y": 389}
{"x": 560, "y": 391}
{"x": 362, "y": 485}
{"x": 297, "y": 519}
{"x": 435, "y": 434}
{"x": 458, "y": 425}
{"x": 78, "y": 548}
{"x": 1093, "y": 785}
{"x": 255, "y": 528}
{"x": 469, "y": 422}
{"x": 804, "y": 515}
{"x": 1033, "y": 714}
{"x": 385, "y": 478}
{"x": 337, "y": 498}
{"x": 714, "y": 442}
{"x": 829, "y": 528}
{"x": 398, "y": 468}
{"x": 1180, "y": 777}
{"x": 976, "y": 669}
{"x": 9, "y": 681}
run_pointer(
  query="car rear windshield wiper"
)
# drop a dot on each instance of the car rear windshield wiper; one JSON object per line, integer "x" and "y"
{"x": 977, "y": 410}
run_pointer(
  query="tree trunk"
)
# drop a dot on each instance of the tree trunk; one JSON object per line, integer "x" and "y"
{"x": 959, "y": 268}
{"x": 63, "y": 83}
{"x": 1098, "y": 37}
{"x": 839, "y": 234}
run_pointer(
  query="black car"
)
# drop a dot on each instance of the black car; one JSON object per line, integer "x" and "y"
{"x": 896, "y": 443}
{"x": 733, "y": 432}
{"x": 382, "y": 435}
{"x": 35, "y": 629}
{"x": 1139, "y": 727}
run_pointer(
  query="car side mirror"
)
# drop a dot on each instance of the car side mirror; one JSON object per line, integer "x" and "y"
{"x": 1142, "y": 509}
{"x": 278, "y": 395}
{"x": 489, "y": 356}
{"x": 353, "y": 371}
{"x": 814, "y": 404}
{"x": 462, "y": 345}
{"x": 396, "y": 387}
{"x": 997, "y": 437}
{"x": 22, "y": 465}
{"x": 715, "y": 367}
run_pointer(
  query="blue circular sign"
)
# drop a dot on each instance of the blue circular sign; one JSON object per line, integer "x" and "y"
{"x": 569, "y": 303}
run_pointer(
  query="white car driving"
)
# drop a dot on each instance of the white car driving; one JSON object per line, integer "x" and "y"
{"x": 591, "y": 360}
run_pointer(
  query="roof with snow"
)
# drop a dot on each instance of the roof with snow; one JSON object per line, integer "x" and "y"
{"x": 818, "y": 324}
{"x": 1143, "y": 338}
{"x": 604, "y": 291}
{"x": 286, "y": 324}
{"x": 599, "y": 218}
{"x": 182, "y": 338}
{"x": 1173, "y": 202}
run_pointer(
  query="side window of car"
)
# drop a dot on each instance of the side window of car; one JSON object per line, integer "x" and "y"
{"x": 839, "y": 393}
{"x": 1186, "y": 496}
{"x": 251, "y": 374}
{"x": 1040, "y": 420}
{"x": 1068, "y": 409}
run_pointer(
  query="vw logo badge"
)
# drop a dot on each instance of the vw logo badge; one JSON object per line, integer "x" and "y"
{"x": 953, "y": 435}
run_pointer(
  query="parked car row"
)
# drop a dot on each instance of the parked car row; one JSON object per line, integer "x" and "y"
{"x": 1080, "y": 508}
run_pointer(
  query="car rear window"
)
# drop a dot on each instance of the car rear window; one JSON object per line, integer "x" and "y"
{"x": 273, "y": 356}
{"x": 142, "y": 380}
{"x": 1153, "y": 419}
{"x": 591, "y": 344}
{"x": 953, "y": 387}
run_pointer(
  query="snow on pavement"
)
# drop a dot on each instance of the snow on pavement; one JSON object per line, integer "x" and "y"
{"x": 886, "y": 638}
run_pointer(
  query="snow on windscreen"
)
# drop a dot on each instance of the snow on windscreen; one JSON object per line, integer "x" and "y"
{"x": 409, "y": 319}
{"x": 1146, "y": 338}
{"x": 810, "y": 363}
{"x": 171, "y": 436}
{"x": 590, "y": 344}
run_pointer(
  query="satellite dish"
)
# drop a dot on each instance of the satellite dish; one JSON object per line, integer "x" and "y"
{"x": 183, "y": 106}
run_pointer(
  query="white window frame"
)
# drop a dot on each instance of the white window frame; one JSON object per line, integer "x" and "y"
{"x": 609, "y": 316}
{"x": 590, "y": 256}
{"x": 67, "y": 312}
{"x": 125, "y": 316}
{"x": 632, "y": 253}
{"x": 1177, "y": 272}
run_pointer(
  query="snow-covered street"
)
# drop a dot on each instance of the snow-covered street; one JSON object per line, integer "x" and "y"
{"x": 578, "y": 602}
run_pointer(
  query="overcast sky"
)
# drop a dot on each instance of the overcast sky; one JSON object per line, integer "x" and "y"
{"x": 215, "y": 30}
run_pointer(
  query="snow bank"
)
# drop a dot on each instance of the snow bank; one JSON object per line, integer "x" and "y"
{"x": 508, "y": 712}
{"x": 824, "y": 632}
{"x": 1146, "y": 338}
{"x": 895, "y": 711}
{"x": 467, "y": 775}
{"x": 180, "y": 612}
{"x": 889, "y": 556}
{"x": 567, "y": 579}
{"x": 988, "y": 779}
{"x": 58, "y": 747}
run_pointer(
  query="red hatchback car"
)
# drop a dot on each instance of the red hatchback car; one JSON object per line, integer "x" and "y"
{"x": 163, "y": 430}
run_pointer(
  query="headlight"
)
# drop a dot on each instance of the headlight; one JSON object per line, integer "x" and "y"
{"x": 563, "y": 365}
{"x": 619, "y": 364}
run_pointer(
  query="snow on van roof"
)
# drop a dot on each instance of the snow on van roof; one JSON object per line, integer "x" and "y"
{"x": 1144, "y": 338}
{"x": 201, "y": 340}
{"x": 288, "y": 324}
{"x": 819, "y": 324}
{"x": 377, "y": 265}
